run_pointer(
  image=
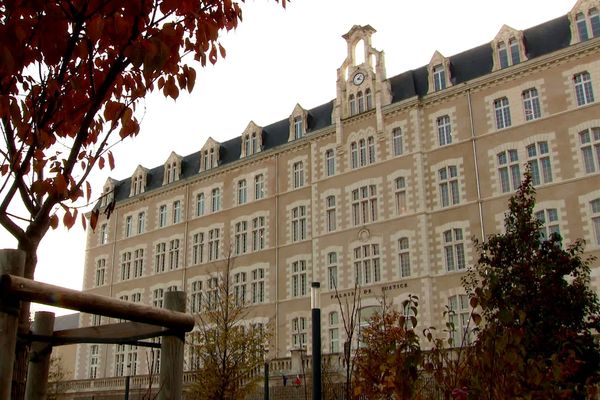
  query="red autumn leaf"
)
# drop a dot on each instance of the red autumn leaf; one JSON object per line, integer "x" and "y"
{"x": 94, "y": 218}
{"x": 54, "y": 221}
{"x": 111, "y": 160}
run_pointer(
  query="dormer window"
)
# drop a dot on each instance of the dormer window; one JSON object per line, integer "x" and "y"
{"x": 298, "y": 131}
{"x": 585, "y": 21}
{"x": 298, "y": 123}
{"x": 138, "y": 181}
{"x": 108, "y": 192}
{"x": 208, "y": 159}
{"x": 209, "y": 155}
{"x": 439, "y": 77}
{"x": 251, "y": 140}
{"x": 439, "y": 73}
{"x": 508, "y": 48}
{"x": 172, "y": 169}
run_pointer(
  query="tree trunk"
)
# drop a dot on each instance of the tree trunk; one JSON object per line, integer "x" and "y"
{"x": 30, "y": 247}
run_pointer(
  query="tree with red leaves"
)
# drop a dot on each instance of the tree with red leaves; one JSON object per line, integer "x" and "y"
{"x": 71, "y": 75}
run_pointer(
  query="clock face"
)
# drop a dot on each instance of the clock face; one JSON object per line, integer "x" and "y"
{"x": 358, "y": 78}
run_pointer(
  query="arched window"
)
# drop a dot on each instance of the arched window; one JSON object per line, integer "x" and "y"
{"x": 369, "y": 98}
{"x": 352, "y": 104}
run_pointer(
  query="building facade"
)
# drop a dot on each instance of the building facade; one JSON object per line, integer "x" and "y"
{"x": 383, "y": 187}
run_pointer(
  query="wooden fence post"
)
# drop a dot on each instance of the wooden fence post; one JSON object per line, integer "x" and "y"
{"x": 171, "y": 354}
{"x": 12, "y": 261}
{"x": 39, "y": 357}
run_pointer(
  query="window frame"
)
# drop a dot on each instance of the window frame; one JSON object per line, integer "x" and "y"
{"x": 502, "y": 113}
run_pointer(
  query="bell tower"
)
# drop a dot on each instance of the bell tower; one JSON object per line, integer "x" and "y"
{"x": 362, "y": 84}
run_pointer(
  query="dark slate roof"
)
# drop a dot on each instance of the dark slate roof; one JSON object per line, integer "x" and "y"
{"x": 539, "y": 40}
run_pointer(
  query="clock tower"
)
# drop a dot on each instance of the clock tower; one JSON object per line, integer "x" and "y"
{"x": 362, "y": 85}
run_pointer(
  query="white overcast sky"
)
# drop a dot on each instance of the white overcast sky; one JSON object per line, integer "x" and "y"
{"x": 275, "y": 59}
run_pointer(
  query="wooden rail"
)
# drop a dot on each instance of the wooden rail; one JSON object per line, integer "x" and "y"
{"x": 37, "y": 292}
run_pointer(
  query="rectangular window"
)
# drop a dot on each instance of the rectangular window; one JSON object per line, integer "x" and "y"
{"x": 177, "y": 212}
{"x": 334, "y": 333}
{"x": 141, "y": 222}
{"x": 503, "y": 55}
{"x": 96, "y": 320}
{"x": 299, "y": 279}
{"x": 103, "y": 234}
{"x": 259, "y": 186}
{"x": 549, "y": 222}
{"x": 100, "y": 272}
{"x": 196, "y": 297}
{"x": 239, "y": 288}
{"x": 364, "y": 205}
{"x": 595, "y": 206}
{"x": 160, "y": 257}
{"x": 241, "y": 237}
{"x": 119, "y": 359}
{"x": 330, "y": 162}
{"x": 581, "y": 27}
{"x": 216, "y": 200}
{"x": 128, "y": 226}
{"x": 397, "y": 141}
{"x": 502, "y": 110}
{"x": 299, "y": 333}
{"x": 448, "y": 186}
{"x": 509, "y": 170}
{"x": 531, "y": 104}
{"x": 298, "y": 130}
{"x": 444, "y": 130}
{"x": 515, "y": 56}
{"x": 354, "y": 155}
{"x": 404, "y": 257}
{"x": 539, "y": 163}
{"x": 242, "y": 195}
{"x": 371, "y": 149}
{"x": 258, "y": 233}
{"x": 258, "y": 285}
{"x": 173, "y": 254}
{"x": 459, "y": 316}
{"x": 590, "y": 149}
{"x": 400, "y": 195}
{"x": 367, "y": 268}
{"x": 158, "y": 297}
{"x": 212, "y": 296}
{"x": 94, "y": 358}
{"x": 298, "y": 223}
{"x": 138, "y": 263}
{"x": 595, "y": 21}
{"x": 213, "y": 244}
{"x": 583, "y": 88}
{"x": 298, "y": 170}
{"x": 330, "y": 212}
{"x": 332, "y": 270}
{"x": 439, "y": 77}
{"x": 126, "y": 265}
{"x": 198, "y": 248}
{"x": 454, "y": 249}
{"x": 162, "y": 216}
{"x": 199, "y": 204}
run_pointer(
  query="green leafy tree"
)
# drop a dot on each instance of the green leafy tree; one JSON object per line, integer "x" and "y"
{"x": 227, "y": 350}
{"x": 538, "y": 309}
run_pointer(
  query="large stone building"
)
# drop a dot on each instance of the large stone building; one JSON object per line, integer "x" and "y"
{"x": 384, "y": 186}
